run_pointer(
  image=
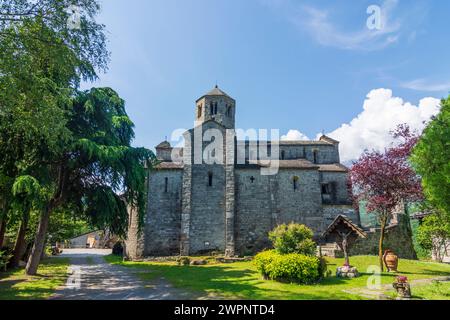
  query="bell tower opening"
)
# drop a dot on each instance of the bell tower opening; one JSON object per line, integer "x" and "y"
{"x": 218, "y": 106}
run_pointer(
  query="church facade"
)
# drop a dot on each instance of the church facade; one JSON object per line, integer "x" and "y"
{"x": 217, "y": 194}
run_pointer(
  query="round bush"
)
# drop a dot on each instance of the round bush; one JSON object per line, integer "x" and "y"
{"x": 292, "y": 267}
{"x": 263, "y": 259}
{"x": 293, "y": 238}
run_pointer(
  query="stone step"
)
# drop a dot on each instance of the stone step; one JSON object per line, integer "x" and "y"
{"x": 331, "y": 250}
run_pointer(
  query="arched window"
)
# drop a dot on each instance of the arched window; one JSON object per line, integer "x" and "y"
{"x": 228, "y": 111}
{"x": 215, "y": 108}
{"x": 283, "y": 155}
{"x": 199, "y": 111}
{"x": 211, "y": 108}
{"x": 315, "y": 155}
{"x": 295, "y": 182}
{"x": 166, "y": 184}
{"x": 210, "y": 179}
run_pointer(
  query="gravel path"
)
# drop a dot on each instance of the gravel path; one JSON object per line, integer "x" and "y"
{"x": 92, "y": 278}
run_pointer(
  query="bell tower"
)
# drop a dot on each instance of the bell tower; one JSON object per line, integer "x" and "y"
{"x": 218, "y": 106}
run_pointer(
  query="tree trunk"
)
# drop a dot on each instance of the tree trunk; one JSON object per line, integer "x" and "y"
{"x": 20, "y": 246}
{"x": 3, "y": 223}
{"x": 39, "y": 243}
{"x": 380, "y": 245}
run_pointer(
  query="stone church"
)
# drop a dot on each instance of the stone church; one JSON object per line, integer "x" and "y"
{"x": 229, "y": 206}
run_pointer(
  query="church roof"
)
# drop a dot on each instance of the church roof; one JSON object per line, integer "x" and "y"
{"x": 166, "y": 165}
{"x": 328, "y": 139}
{"x": 163, "y": 145}
{"x": 288, "y": 164}
{"x": 216, "y": 92}
{"x": 335, "y": 167}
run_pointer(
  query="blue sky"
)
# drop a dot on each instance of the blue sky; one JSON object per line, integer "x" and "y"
{"x": 291, "y": 65}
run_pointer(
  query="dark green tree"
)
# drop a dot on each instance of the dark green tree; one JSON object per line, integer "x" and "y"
{"x": 99, "y": 173}
{"x": 431, "y": 158}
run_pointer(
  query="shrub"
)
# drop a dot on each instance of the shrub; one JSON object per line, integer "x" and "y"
{"x": 4, "y": 260}
{"x": 292, "y": 267}
{"x": 263, "y": 259}
{"x": 183, "y": 261}
{"x": 293, "y": 238}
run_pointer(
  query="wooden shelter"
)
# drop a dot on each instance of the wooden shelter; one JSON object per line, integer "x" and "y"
{"x": 344, "y": 232}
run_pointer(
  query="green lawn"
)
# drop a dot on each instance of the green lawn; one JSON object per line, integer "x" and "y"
{"x": 15, "y": 285}
{"x": 241, "y": 281}
{"x": 435, "y": 291}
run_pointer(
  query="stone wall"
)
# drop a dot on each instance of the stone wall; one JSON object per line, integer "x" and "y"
{"x": 398, "y": 238}
{"x": 262, "y": 202}
{"x": 254, "y": 207}
{"x": 163, "y": 221}
{"x": 330, "y": 212}
{"x": 339, "y": 187}
{"x": 207, "y": 221}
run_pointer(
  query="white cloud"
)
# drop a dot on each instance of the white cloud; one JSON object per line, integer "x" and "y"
{"x": 317, "y": 23}
{"x": 425, "y": 85}
{"x": 382, "y": 112}
{"x": 294, "y": 135}
{"x": 322, "y": 26}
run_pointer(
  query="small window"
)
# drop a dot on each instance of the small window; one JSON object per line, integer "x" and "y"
{"x": 295, "y": 183}
{"x": 315, "y": 155}
{"x": 215, "y": 108}
{"x": 283, "y": 155}
{"x": 211, "y": 108}
{"x": 210, "y": 179}
{"x": 326, "y": 188}
{"x": 252, "y": 179}
{"x": 199, "y": 112}
{"x": 166, "y": 184}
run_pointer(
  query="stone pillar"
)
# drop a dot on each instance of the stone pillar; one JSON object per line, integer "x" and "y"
{"x": 230, "y": 187}
{"x": 186, "y": 211}
{"x": 186, "y": 204}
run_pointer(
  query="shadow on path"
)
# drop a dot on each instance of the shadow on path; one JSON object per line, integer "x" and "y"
{"x": 91, "y": 278}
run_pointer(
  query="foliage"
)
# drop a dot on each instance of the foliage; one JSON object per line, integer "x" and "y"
{"x": 434, "y": 234}
{"x": 422, "y": 253}
{"x": 263, "y": 259}
{"x": 64, "y": 225}
{"x": 431, "y": 159}
{"x": 291, "y": 267}
{"x": 386, "y": 180}
{"x": 4, "y": 260}
{"x": 42, "y": 62}
{"x": 293, "y": 238}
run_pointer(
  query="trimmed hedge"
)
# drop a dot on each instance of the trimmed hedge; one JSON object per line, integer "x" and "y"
{"x": 292, "y": 267}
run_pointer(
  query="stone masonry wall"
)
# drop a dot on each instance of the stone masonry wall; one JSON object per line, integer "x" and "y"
{"x": 398, "y": 238}
{"x": 163, "y": 220}
{"x": 262, "y": 202}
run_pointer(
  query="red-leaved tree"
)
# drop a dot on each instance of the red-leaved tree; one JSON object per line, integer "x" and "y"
{"x": 386, "y": 180}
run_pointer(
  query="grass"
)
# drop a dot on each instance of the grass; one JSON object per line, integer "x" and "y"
{"x": 241, "y": 280}
{"x": 16, "y": 285}
{"x": 434, "y": 291}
